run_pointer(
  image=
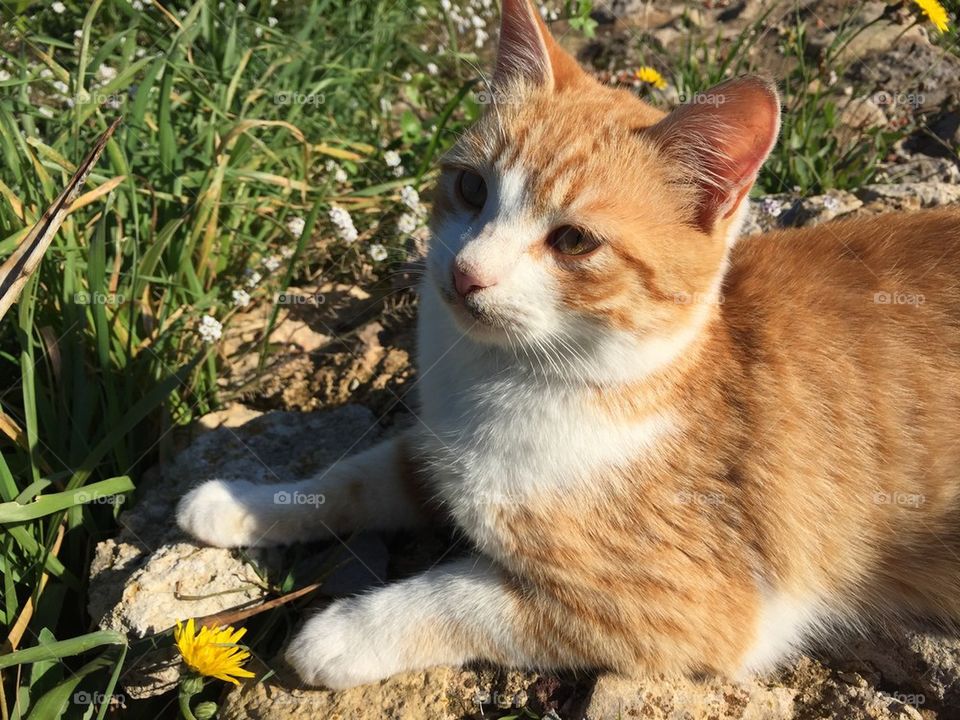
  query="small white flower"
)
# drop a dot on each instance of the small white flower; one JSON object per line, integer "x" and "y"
{"x": 432, "y": 68}
{"x": 272, "y": 21}
{"x": 210, "y": 329}
{"x": 253, "y": 278}
{"x": 78, "y": 34}
{"x": 58, "y": 7}
{"x": 4, "y": 75}
{"x": 411, "y": 198}
{"x": 137, "y": 5}
{"x": 241, "y": 7}
{"x": 296, "y": 225}
{"x": 344, "y": 224}
{"x": 46, "y": 73}
{"x": 771, "y": 206}
{"x": 407, "y": 223}
{"x": 378, "y": 253}
{"x": 482, "y": 37}
{"x": 422, "y": 11}
{"x": 241, "y": 298}
{"x": 286, "y": 252}
{"x": 406, "y": 77}
{"x": 45, "y": 111}
{"x": 258, "y": 31}
{"x": 140, "y": 52}
{"x": 445, "y": 4}
{"x": 340, "y": 175}
{"x": 398, "y": 171}
{"x": 60, "y": 86}
{"x": 391, "y": 158}
{"x": 105, "y": 73}
{"x": 271, "y": 263}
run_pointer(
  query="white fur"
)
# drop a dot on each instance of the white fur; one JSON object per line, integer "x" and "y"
{"x": 411, "y": 625}
{"x": 784, "y": 625}
{"x": 505, "y": 433}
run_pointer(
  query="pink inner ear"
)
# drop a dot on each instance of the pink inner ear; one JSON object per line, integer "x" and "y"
{"x": 528, "y": 52}
{"x": 722, "y": 138}
{"x": 522, "y": 51}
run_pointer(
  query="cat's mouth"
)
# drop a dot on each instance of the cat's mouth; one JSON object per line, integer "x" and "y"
{"x": 476, "y": 313}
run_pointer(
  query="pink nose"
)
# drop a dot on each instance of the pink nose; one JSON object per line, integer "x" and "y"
{"x": 467, "y": 283}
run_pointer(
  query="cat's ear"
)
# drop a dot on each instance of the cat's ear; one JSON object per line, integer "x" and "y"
{"x": 528, "y": 53}
{"x": 719, "y": 140}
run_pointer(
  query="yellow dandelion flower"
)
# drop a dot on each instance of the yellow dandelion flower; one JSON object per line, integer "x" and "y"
{"x": 213, "y": 652}
{"x": 648, "y": 74}
{"x": 936, "y": 12}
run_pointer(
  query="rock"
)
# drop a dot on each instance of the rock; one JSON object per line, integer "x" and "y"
{"x": 862, "y": 114}
{"x": 615, "y": 697}
{"x": 820, "y": 209}
{"x": 920, "y": 168}
{"x": 881, "y": 35}
{"x": 910, "y": 196}
{"x": 152, "y": 575}
{"x": 437, "y": 694}
{"x": 912, "y": 73}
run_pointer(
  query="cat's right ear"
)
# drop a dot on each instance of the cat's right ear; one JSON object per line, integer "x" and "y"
{"x": 718, "y": 141}
{"x": 527, "y": 52}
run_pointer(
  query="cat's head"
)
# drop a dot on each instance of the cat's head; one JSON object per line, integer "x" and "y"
{"x": 576, "y": 219}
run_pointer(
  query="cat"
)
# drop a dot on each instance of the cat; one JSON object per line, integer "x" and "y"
{"x": 674, "y": 450}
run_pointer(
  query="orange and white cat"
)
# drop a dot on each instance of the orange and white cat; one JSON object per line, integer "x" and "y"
{"x": 673, "y": 451}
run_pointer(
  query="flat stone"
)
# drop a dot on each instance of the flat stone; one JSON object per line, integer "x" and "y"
{"x": 151, "y": 575}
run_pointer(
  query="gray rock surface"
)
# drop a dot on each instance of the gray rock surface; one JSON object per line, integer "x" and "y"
{"x": 151, "y": 574}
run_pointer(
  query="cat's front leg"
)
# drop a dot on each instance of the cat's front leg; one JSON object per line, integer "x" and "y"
{"x": 376, "y": 490}
{"x": 450, "y": 615}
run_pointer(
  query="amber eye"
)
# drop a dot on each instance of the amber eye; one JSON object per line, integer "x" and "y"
{"x": 472, "y": 189}
{"x": 569, "y": 240}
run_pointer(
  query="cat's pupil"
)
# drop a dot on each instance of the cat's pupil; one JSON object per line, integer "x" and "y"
{"x": 472, "y": 189}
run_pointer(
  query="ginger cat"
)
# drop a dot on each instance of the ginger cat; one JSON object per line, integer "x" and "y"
{"x": 674, "y": 451}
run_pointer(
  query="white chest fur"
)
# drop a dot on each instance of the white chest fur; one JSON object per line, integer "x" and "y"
{"x": 497, "y": 434}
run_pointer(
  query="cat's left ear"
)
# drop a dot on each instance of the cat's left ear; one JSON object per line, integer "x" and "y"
{"x": 528, "y": 53}
{"x": 718, "y": 141}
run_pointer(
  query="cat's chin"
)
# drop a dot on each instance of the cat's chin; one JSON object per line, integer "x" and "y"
{"x": 481, "y": 324}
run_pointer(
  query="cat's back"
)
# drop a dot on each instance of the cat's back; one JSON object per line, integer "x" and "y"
{"x": 893, "y": 273}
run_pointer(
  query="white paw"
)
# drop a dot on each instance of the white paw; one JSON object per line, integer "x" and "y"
{"x": 222, "y": 513}
{"x": 340, "y": 649}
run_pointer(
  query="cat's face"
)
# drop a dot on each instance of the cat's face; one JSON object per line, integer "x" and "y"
{"x": 577, "y": 217}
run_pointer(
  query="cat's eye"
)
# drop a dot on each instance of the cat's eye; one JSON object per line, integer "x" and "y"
{"x": 472, "y": 189}
{"x": 569, "y": 240}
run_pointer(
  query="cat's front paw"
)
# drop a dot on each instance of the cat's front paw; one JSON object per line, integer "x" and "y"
{"x": 340, "y": 649}
{"x": 222, "y": 513}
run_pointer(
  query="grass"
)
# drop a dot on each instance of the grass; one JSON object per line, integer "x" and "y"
{"x": 236, "y": 127}
{"x": 242, "y": 130}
